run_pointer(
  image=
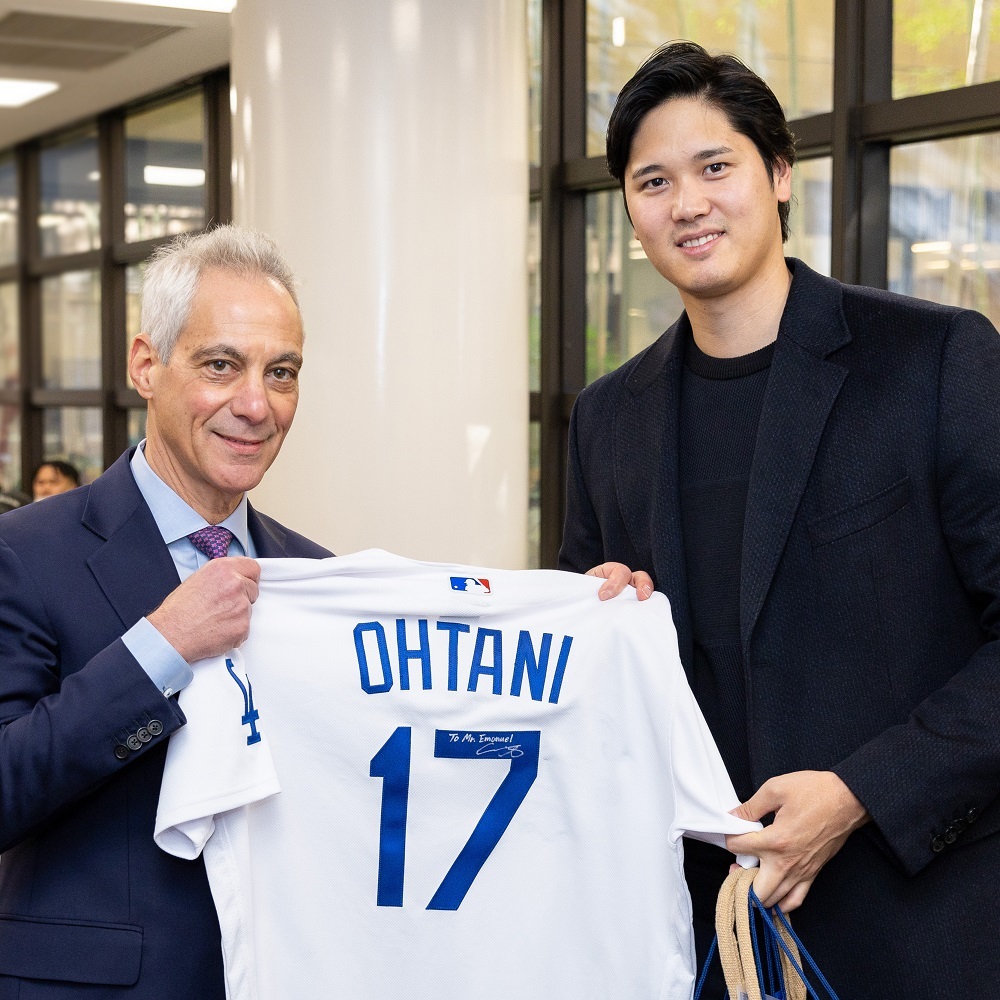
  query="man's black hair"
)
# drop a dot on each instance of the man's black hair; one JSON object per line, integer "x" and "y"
{"x": 685, "y": 69}
{"x": 64, "y": 469}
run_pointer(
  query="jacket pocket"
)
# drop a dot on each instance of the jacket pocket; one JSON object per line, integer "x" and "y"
{"x": 70, "y": 950}
{"x": 861, "y": 515}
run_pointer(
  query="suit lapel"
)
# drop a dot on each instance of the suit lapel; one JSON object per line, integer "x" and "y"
{"x": 133, "y": 567}
{"x": 268, "y": 538}
{"x": 801, "y": 389}
{"x": 647, "y": 426}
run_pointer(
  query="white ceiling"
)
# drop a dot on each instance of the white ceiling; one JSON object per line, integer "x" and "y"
{"x": 201, "y": 45}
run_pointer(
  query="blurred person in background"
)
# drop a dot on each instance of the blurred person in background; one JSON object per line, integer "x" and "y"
{"x": 52, "y": 477}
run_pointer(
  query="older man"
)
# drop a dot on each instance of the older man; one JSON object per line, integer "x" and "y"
{"x": 109, "y": 594}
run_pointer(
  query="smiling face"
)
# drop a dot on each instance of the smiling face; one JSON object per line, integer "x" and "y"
{"x": 702, "y": 202}
{"x": 220, "y": 408}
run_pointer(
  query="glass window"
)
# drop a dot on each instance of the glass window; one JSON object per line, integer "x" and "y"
{"x": 73, "y": 433}
{"x": 165, "y": 169}
{"x": 790, "y": 44}
{"x": 71, "y": 331}
{"x": 8, "y": 211}
{"x": 944, "y": 222}
{"x": 628, "y": 303}
{"x": 10, "y": 353}
{"x": 10, "y": 448}
{"x": 943, "y": 44}
{"x": 810, "y": 219}
{"x": 535, "y": 496}
{"x": 136, "y": 426}
{"x": 535, "y": 81}
{"x": 70, "y": 219}
{"x": 534, "y": 296}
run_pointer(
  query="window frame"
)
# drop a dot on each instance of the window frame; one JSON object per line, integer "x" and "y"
{"x": 115, "y": 398}
{"x": 865, "y": 123}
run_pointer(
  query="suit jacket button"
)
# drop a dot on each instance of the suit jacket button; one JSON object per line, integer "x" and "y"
{"x": 950, "y": 836}
{"x": 133, "y": 742}
{"x": 972, "y": 815}
{"x": 959, "y": 825}
{"x": 937, "y": 845}
{"x": 155, "y": 727}
{"x": 144, "y": 735}
{"x": 121, "y": 752}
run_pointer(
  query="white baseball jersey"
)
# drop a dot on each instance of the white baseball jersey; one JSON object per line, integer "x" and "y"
{"x": 434, "y": 781}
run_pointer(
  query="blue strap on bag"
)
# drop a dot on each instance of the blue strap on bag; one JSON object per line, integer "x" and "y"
{"x": 762, "y": 957}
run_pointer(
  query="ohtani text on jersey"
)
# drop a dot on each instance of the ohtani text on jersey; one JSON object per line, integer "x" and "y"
{"x": 454, "y": 651}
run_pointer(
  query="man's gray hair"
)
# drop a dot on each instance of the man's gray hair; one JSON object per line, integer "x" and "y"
{"x": 174, "y": 270}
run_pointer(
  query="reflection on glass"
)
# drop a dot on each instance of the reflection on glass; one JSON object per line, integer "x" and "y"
{"x": 133, "y": 308}
{"x": 136, "y": 426}
{"x": 809, "y": 221}
{"x": 943, "y": 44}
{"x": 10, "y": 448}
{"x": 628, "y": 304}
{"x": 73, "y": 433}
{"x": 790, "y": 44}
{"x": 534, "y": 297}
{"x": 944, "y": 222}
{"x": 165, "y": 169}
{"x": 8, "y": 211}
{"x": 71, "y": 331}
{"x": 70, "y": 218}
{"x": 535, "y": 496}
{"x": 535, "y": 81}
{"x": 10, "y": 377}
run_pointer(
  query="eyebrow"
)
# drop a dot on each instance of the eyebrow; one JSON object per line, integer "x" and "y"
{"x": 704, "y": 154}
{"x": 711, "y": 154}
{"x": 224, "y": 350}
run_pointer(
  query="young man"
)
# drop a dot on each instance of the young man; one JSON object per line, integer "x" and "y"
{"x": 109, "y": 594}
{"x": 810, "y": 472}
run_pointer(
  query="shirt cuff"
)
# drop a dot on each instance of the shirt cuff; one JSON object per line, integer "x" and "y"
{"x": 166, "y": 668}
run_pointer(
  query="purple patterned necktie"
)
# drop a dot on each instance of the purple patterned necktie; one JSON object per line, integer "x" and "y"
{"x": 213, "y": 540}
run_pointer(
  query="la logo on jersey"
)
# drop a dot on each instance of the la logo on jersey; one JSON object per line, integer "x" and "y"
{"x": 250, "y": 714}
{"x": 470, "y": 584}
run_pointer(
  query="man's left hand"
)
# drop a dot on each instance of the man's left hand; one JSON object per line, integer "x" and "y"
{"x": 814, "y": 813}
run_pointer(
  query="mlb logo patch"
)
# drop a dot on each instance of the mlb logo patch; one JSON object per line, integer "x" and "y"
{"x": 470, "y": 584}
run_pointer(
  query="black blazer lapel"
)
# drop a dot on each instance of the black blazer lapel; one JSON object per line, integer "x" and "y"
{"x": 133, "y": 567}
{"x": 647, "y": 425}
{"x": 801, "y": 389}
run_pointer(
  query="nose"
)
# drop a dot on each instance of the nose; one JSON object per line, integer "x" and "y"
{"x": 690, "y": 201}
{"x": 250, "y": 400}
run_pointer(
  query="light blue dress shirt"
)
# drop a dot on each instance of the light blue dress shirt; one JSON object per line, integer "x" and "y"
{"x": 175, "y": 521}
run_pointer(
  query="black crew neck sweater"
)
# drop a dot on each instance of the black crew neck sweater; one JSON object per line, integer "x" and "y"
{"x": 721, "y": 401}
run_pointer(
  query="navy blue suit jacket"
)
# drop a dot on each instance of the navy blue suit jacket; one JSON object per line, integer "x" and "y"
{"x": 85, "y": 895}
{"x": 870, "y": 603}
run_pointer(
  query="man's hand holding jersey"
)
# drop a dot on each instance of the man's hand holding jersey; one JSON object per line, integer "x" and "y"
{"x": 814, "y": 811}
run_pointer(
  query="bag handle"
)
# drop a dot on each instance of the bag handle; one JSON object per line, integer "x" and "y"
{"x": 739, "y": 950}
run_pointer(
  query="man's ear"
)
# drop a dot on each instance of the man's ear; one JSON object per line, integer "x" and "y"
{"x": 782, "y": 179}
{"x": 142, "y": 359}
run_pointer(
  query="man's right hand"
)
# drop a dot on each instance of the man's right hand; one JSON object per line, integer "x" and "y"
{"x": 618, "y": 577}
{"x": 209, "y": 613}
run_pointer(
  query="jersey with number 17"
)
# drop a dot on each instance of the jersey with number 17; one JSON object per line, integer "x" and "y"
{"x": 439, "y": 781}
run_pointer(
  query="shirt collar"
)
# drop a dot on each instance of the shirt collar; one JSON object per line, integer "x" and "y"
{"x": 174, "y": 518}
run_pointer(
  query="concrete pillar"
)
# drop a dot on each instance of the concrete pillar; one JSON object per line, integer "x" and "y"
{"x": 383, "y": 143}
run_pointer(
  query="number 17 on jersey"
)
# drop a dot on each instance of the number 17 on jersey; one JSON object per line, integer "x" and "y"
{"x": 392, "y": 765}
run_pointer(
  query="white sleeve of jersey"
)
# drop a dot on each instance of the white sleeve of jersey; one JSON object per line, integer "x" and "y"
{"x": 702, "y": 786}
{"x": 219, "y": 761}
